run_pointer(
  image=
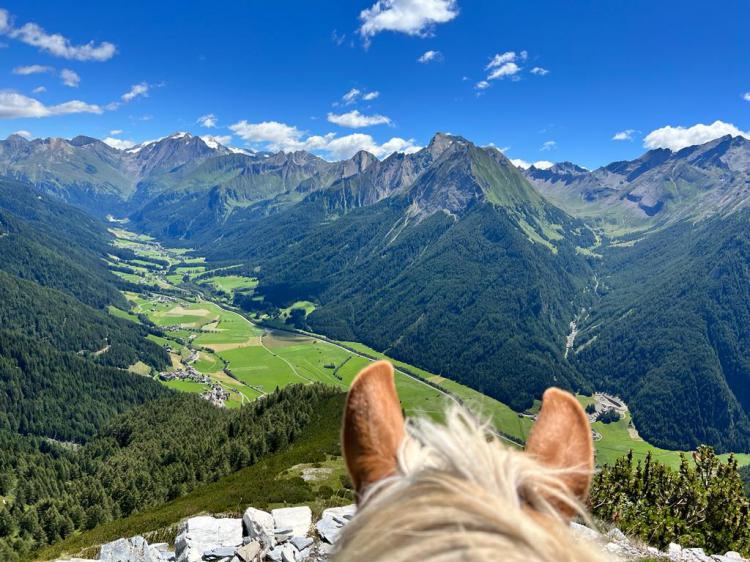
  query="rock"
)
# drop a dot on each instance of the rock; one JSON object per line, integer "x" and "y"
{"x": 135, "y": 549}
{"x": 220, "y": 553}
{"x": 617, "y": 535}
{"x": 694, "y": 555}
{"x": 259, "y": 525}
{"x": 204, "y": 534}
{"x": 586, "y": 533}
{"x": 298, "y": 519}
{"x": 301, "y": 543}
{"x": 283, "y": 553}
{"x": 250, "y": 552}
{"x": 332, "y": 521}
{"x": 674, "y": 551}
{"x": 283, "y": 535}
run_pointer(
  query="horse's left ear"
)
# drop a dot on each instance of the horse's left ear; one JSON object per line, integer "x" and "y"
{"x": 561, "y": 438}
{"x": 373, "y": 426}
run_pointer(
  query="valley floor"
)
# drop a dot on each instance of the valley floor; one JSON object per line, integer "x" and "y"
{"x": 212, "y": 345}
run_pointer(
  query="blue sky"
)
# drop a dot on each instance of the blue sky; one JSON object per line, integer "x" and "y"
{"x": 273, "y": 74}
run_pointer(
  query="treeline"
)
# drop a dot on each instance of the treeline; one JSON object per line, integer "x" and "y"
{"x": 702, "y": 504}
{"x": 143, "y": 458}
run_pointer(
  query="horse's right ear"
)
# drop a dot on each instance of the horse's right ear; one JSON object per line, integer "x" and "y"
{"x": 561, "y": 439}
{"x": 373, "y": 426}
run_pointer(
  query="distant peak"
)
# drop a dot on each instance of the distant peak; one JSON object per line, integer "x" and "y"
{"x": 442, "y": 142}
{"x": 364, "y": 156}
{"x": 83, "y": 140}
{"x": 179, "y": 135}
{"x": 15, "y": 137}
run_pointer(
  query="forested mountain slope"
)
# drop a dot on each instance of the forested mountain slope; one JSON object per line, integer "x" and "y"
{"x": 58, "y": 342}
{"x": 142, "y": 459}
{"x": 671, "y": 333}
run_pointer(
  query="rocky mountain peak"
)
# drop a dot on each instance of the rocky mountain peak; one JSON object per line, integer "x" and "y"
{"x": 442, "y": 142}
{"x": 83, "y": 140}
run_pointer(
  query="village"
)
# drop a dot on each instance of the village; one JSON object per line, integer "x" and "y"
{"x": 216, "y": 394}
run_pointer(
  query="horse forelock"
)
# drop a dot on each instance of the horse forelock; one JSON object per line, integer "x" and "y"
{"x": 461, "y": 494}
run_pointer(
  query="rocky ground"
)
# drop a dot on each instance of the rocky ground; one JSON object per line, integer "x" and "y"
{"x": 289, "y": 535}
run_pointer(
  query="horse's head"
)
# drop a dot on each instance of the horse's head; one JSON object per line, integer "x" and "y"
{"x": 459, "y": 474}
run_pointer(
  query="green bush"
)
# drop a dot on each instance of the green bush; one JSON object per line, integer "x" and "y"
{"x": 702, "y": 504}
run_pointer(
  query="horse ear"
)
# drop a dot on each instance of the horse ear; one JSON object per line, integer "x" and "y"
{"x": 373, "y": 426}
{"x": 561, "y": 439}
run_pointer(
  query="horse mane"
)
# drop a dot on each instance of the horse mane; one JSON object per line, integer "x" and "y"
{"x": 460, "y": 494}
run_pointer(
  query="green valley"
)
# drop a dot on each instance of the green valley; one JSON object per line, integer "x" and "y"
{"x": 250, "y": 356}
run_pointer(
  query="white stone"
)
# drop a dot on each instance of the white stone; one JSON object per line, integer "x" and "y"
{"x": 283, "y": 553}
{"x": 617, "y": 535}
{"x": 135, "y": 549}
{"x": 585, "y": 532}
{"x": 298, "y": 519}
{"x": 674, "y": 551}
{"x": 201, "y": 534}
{"x": 332, "y": 522}
{"x": 694, "y": 555}
{"x": 259, "y": 525}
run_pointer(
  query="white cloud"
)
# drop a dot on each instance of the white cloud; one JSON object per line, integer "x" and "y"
{"x": 39, "y": 90}
{"x": 135, "y": 91}
{"x": 355, "y": 94}
{"x": 430, "y": 56}
{"x": 351, "y": 96}
{"x": 115, "y": 132}
{"x": 119, "y": 144}
{"x": 70, "y": 78}
{"x": 14, "y": 105}
{"x": 214, "y": 141}
{"x": 506, "y": 69}
{"x": 539, "y": 71}
{"x": 503, "y": 58}
{"x": 32, "y": 69}
{"x": 54, "y": 43}
{"x": 677, "y": 138}
{"x": 413, "y": 17}
{"x": 25, "y": 134}
{"x": 549, "y": 145}
{"x": 272, "y": 135}
{"x": 626, "y": 135}
{"x": 746, "y": 96}
{"x": 539, "y": 164}
{"x": 355, "y": 119}
{"x": 506, "y": 65}
{"x": 209, "y": 121}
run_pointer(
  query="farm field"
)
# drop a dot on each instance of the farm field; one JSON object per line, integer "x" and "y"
{"x": 249, "y": 360}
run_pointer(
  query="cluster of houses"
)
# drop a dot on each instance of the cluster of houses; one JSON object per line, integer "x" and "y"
{"x": 189, "y": 373}
{"x": 216, "y": 395}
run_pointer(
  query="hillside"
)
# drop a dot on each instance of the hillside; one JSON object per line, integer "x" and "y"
{"x": 671, "y": 328}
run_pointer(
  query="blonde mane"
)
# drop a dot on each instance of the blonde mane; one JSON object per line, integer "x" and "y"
{"x": 459, "y": 494}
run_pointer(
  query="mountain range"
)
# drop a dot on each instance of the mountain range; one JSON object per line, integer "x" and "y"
{"x": 454, "y": 259}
